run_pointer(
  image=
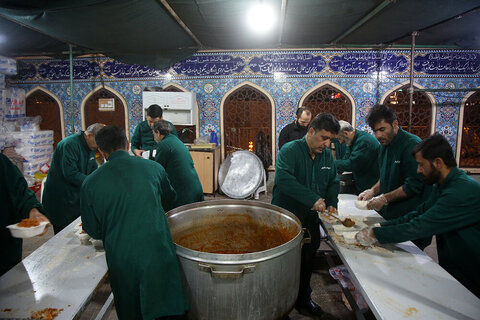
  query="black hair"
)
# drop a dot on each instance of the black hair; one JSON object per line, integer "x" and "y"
{"x": 162, "y": 127}
{"x": 436, "y": 146}
{"x": 326, "y": 122}
{"x": 301, "y": 110}
{"x": 110, "y": 139}
{"x": 154, "y": 111}
{"x": 380, "y": 112}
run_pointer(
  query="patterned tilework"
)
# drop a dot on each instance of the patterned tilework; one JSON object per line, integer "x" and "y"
{"x": 215, "y": 74}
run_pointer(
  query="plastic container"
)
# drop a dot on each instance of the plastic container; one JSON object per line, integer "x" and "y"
{"x": 362, "y": 205}
{"x": 22, "y": 232}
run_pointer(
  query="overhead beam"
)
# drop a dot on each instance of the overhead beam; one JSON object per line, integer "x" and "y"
{"x": 283, "y": 13}
{"x": 181, "y": 23}
{"x": 458, "y": 16}
{"x": 362, "y": 21}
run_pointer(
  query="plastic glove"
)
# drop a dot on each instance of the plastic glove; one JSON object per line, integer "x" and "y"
{"x": 377, "y": 203}
{"x": 366, "y": 195}
{"x": 366, "y": 237}
{"x": 319, "y": 205}
{"x": 332, "y": 210}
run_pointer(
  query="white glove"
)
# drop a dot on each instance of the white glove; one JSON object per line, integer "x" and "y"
{"x": 319, "y": 205}
{"x": 366, "y": 195}
{"x": 377, "y": 203}
{"x": 366, "y": 237}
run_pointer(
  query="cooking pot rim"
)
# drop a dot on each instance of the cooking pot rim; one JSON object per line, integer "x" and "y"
{"x": 232, "y": 259}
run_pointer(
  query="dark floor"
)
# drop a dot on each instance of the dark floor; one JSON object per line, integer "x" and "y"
{"x": 326, "y": 291}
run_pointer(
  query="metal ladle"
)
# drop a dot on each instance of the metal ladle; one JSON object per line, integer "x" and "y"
{"x": 347, "y": 222}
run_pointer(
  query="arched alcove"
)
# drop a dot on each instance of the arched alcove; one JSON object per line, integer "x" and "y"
{"x": 245, "y": 110}
{"x": 330, "y": 97}
{"x": 468, "y": 142}
{"x": 41, "y": 102}
{"x": 90, "y": 108}
{"x": 423, "y": 109}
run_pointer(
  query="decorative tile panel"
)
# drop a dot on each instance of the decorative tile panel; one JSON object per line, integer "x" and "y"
{"x": 365, "y": 76}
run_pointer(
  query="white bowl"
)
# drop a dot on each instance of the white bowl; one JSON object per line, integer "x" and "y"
{"x": 22, "y": 232}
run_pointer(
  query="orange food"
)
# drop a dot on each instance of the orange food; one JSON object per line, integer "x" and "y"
{"x": 46, "y": 314}
{"x": 28, "y": 223}
{"x": 235, "y": 234}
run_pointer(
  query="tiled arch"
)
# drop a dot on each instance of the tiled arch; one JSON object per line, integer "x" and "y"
{"x": 59, "y": 103}
{"x": 336, "y": 86}
{"x": 429, "y": 95}
{"x": 115, "y": 92}
{"x": 272, "y": 103}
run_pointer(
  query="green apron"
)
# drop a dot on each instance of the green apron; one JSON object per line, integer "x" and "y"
{"x": 362, "y": 160}
{"x": 300, "y": 181}
{"x": 398, "y": 168}
{"x": 124, "y": 204}
{"x": 71, "y": 163}
{"x": 341, "y": 149}
{"x": 143, "y": 139}
{"x": 452, "y": 213}
{"x": 16, "y": 201}
{"x": 172, "y": 154}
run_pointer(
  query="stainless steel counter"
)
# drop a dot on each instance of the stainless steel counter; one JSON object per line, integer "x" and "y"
{"x": 61, "y": 274}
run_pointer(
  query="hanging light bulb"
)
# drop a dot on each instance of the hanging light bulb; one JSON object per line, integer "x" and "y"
{"x": 261, "y": 18}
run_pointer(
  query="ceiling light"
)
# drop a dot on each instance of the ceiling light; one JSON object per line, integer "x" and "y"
{"x": 261, "y": 18}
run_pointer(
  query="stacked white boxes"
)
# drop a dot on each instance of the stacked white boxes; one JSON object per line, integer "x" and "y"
{"x": 36, "y": 148}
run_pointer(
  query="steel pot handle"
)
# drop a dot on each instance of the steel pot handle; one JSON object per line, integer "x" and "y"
{"x": 226, "y": 274}
{"x": 308, "y": 238}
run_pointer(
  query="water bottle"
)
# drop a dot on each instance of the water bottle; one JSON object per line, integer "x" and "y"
{"x": 213, "y": 138}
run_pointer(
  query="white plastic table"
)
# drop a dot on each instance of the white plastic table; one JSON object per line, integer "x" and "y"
{"x": 61, "y": 274}
{"x": 400, "y": 281}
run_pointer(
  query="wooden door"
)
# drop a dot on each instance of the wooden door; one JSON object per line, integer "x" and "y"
{"x": 329, "y": 99}
{"x": 246, "y": 112}
{"x": 40, "y": 103}
{"x": 92, "y": 114}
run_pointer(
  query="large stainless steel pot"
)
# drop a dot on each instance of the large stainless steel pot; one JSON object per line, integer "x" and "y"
{"x": 254, "y": 285}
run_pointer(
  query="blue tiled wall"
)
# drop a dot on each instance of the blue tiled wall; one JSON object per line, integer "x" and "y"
{"x": 286, "y": 75}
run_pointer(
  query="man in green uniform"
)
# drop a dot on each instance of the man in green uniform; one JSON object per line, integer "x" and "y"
{"x": 142, "y": 139}
{"x": 72, "y": 161}
{"x": 339, "y": 149}
{"x": 362, "y": 160}
{"x": 400, "y": 188}
{"x": 452, "y": 213}
{"x": 130, "y": 219}
{"x": 306, "y": 182}
{"x": 172, "y": 154}
{"x": 18, "y": 202}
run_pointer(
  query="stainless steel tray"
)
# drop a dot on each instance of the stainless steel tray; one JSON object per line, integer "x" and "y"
{"x": 240, "y": 174}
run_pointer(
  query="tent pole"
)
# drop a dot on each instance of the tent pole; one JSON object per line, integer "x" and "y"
{"x": 72, "y": 126}
{"x": 410, "y": 89}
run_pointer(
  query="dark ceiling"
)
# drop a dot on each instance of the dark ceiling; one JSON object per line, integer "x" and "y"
{"x": 159, "y": 33}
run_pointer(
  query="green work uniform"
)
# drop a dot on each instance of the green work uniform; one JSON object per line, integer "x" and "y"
{"x": 452, "y": 213}
{"x": 142, "y": 138}
{"x": 172, "y": 154}
{"x": 129, "y": 216}
{"x": 341, "y": 149}
{"x": 16, "y": 202}
{"x": 299, "y": 182}
{"x": 362, "y": 160}
{"x": 398, "y": 168}
{"x": 72, "y": 161}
